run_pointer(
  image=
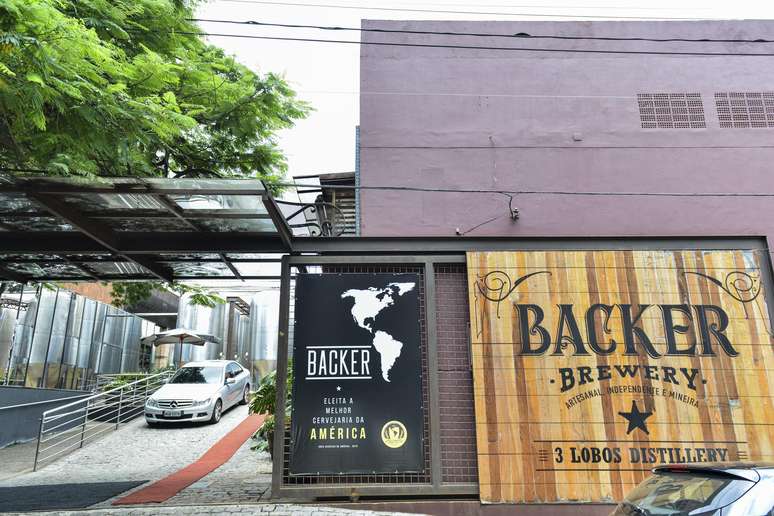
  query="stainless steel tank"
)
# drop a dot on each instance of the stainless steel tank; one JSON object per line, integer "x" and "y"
{"x": 254, "y": 339}
{"x": 63, "y": 339}
{"x": 200, "y": 319}
{"x": 263, "y": 332}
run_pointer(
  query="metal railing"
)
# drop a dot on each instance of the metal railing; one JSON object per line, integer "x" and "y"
{"x": 69, "y": 427}
{"x": 101, "y": 381}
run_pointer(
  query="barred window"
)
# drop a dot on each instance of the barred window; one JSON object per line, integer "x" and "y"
{"x": 671, "y": 111}
{"x": 743, "y": 110}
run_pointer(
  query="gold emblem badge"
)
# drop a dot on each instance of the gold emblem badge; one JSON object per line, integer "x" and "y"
{"x": 394, "y": 434}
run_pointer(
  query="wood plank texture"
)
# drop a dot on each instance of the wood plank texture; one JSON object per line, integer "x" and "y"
{"x": 592, "y": 367}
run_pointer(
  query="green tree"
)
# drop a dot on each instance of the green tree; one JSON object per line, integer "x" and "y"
{"x": 128, "y": 88}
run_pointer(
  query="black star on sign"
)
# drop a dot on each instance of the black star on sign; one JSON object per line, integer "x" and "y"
{"x": 636, "y": 419}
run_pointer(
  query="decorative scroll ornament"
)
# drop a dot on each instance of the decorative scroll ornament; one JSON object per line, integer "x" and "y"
{"x": 496, "y": 286}
{"x": 320, "y": 218}
{"x": 738, "y": 284}
{"x": 742, "y": 287}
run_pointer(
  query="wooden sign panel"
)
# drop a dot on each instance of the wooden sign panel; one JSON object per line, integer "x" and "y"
{"x": 593, "y": 367}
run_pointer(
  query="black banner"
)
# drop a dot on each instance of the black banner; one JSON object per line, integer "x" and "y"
{"x": 357, "y": 388}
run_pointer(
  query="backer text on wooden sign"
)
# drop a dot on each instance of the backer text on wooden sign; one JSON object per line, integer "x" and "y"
{"x": 592, "y": 367}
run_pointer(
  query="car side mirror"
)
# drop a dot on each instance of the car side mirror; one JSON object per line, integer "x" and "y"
{"x": 230, "y": 381}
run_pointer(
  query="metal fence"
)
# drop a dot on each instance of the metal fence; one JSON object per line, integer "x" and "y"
{"x": 103, "y": 382}
{"x": 422, "y": 477}
{"x": 450, "y": 466}
{"x": 69, "y": 427}
{"x": 459, "y": 462}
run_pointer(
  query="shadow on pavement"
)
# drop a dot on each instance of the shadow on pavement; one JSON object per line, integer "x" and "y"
{"x": 60, "y": 496}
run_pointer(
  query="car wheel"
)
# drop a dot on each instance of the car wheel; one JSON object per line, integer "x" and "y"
{"x": 245, "y": 396}
{"x": 217, "y": 412}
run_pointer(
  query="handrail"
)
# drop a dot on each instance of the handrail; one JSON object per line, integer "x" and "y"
{"x": 104, "y": 393}
{"x": 44, "y": 402}
{"x": 102, "y": 379}
{"x": 68, "y": 427}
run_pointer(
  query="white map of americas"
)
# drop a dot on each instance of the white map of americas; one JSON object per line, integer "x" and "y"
{"x": 368, "y": 304}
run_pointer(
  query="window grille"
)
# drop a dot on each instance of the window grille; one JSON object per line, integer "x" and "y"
{"x": 671, "y": 110}
{"x": 745, "y": 110}
{"x": 459, "y": 462}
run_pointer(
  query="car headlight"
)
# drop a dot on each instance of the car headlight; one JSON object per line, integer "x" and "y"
{"x": 199, "y": 403}
{"x": 152, "y": 403}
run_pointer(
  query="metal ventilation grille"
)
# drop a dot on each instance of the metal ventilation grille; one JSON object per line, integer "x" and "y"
{"x": 671, "y": 111}
{"x": 745, "y": 110}
{"x": 459, "y": 462}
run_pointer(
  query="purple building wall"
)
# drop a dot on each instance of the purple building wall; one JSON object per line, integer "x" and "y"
{"x": 546, "y": 121}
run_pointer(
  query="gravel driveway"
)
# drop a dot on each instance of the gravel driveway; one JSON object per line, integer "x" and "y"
{"x": 134, "y": 452}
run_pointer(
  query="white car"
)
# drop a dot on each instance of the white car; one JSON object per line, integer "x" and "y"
{"x": 199, "y": 391}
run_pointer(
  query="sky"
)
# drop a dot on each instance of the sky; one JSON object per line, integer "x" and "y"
{"x": 327, "y": 75}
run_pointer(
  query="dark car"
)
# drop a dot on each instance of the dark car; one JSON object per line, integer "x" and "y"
{"x": 703, "y": 490}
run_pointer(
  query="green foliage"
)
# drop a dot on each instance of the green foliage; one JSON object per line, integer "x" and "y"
{"x": 126, "y": 378}
{"x": 264, "y": 435}
{"x": 128, "y": 294}
{"x": 126, "y": 88}
{"x": 197, "y": 295}
{"x": 120, "y": 381}
{"x": 265, "y": 396}
{"x": 264, "y": 401}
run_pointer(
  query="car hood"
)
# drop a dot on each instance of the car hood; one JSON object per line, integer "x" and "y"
{"x": 185, "y": 391}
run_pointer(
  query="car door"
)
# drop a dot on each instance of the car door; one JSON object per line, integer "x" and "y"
{"x": 244, "y": 376}
{"x": 232, "y": 389}
{"x": 225, "y": 388}
{"x": 241, "y": 380}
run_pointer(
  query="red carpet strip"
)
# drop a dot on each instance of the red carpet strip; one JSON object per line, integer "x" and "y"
{"x": 215, "y": 457}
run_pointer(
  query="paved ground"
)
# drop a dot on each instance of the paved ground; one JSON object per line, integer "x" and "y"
{"x": 241, "y": 485}
{"x": 246, "y": 478}
{"x": 17, "y": 459}
{"x": 264, "y": 509}
{"x": 134, "y": 452}
{"x": 59, "y": 496}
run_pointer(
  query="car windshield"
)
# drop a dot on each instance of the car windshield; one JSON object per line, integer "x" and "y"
{"x": 682, "y": 493}
{"x": 197, "y": 374}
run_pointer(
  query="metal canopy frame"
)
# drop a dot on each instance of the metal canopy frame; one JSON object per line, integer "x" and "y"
{"x": 65, "y": 230}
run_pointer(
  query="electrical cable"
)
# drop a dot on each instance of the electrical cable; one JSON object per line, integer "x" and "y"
{"x": 469, "y": 47}
{"x": 533, "y": 6}
{"x": 461, "y": 94}
{"x": 520, "y": 35}
{"x": 506, "y": 193}
{"x": 481, "y": 224}
{"x": 531, "y": 192}
{"x": 446, "y": 11}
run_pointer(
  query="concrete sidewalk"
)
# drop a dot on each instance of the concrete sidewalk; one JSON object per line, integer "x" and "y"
{"x": 242, "y": 485}
{"x": 263, "y": 509}
{"x": 17, "y": 459}
{"x": 123, "y": 460}
{"x": 134, "y": 452}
